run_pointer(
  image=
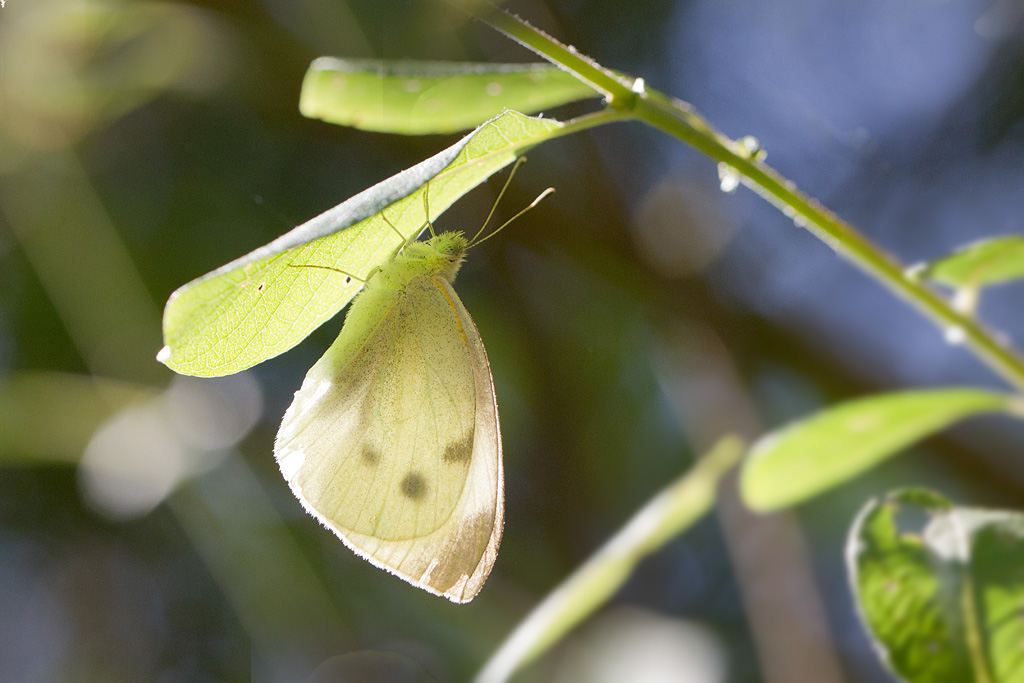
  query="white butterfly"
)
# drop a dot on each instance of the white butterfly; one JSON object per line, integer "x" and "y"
{"x": 393, "y": 440}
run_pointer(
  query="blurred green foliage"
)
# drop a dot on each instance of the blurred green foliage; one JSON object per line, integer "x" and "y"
{"x": 145, "y": 532}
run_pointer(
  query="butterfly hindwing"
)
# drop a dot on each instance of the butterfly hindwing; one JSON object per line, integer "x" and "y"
{"x": 393, "y": 440}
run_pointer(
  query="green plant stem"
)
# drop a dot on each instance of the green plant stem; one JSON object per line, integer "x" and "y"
{"x": 613, "y": 86}
{"x": 663, "y": 518}
{"x": 678, "y": 119}
{"x": 582, "y": 123}
{"x": 675, "y": 118}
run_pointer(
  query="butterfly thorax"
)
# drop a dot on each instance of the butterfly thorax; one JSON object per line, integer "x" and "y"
{"x": 441, "y": 255}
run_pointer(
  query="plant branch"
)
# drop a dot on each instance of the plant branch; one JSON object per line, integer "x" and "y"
{"x": 679, "y": 120}
{"x": 615, "y": 87}
{"x": 675, "y": 118}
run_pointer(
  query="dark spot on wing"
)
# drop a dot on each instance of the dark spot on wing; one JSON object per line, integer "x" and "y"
{"x": 459, "y": 451}
{"x": 414, "y": 486}
{"x": 261, "y": 286}
{"x": 370, "y": 457}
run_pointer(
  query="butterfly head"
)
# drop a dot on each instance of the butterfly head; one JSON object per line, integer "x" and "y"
{"x": 450, "y": 245}
{"x": 442, "y": 254}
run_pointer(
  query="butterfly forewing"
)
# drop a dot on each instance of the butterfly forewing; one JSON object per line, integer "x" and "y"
{"x": 393, "y": 440}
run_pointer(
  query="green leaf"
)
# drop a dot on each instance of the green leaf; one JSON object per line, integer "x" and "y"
{"x": 797, "y": 462}
{"x": 663, "y": 518}
{"x": 984, "y": 263}
{"x": 415, "y": 98}
{"x": 942, "y": 599}
{"x": 259, "y": 306}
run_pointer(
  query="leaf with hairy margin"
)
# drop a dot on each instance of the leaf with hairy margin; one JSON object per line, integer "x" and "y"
{"x": 416, "y": 98}
{"x": 940, "y": 587}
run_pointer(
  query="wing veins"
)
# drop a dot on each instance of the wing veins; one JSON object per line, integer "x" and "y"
{"x": 346, "y": 486}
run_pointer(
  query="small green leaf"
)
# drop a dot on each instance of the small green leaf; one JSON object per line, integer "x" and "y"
{"x": 943, "y": 599}
{"x": 259, "y": 305}
{"x": 984, "y": 263}
{"x": 416, "y": 98}
{"x": 802, "y": 460}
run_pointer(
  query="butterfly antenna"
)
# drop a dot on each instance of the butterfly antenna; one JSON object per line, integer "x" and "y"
{"x": 519, "y": 162}
{"x": 331, "y": 268}
{"x": 534, "y": 203}
{"x": 403, "y": 241}
{"x": 392, "y": 226}
{"x": 426, "y": 209}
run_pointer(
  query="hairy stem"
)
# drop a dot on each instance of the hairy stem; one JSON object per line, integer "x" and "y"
{"x": 678, "y": 119}
{"x": 614, "y": 87}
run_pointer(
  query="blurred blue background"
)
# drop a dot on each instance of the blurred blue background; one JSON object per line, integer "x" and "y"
{"x": 634, "y": 317}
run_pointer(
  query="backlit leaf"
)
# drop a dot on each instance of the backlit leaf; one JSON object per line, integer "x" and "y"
{"x": 981, "y": 264}
{"x": 941, "y": 597}
{"x": 259, "y": 305}
{"x": 802, "y": 460}
{"x": 415, "y": 98}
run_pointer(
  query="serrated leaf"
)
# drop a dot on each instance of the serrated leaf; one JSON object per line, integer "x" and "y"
{"x": 802, "y": 460}
{"x": 984, "y": 263}
{"x": 942, "y": 600}
{"x": 259, "y": 305}
{"x": 416, "y": 98}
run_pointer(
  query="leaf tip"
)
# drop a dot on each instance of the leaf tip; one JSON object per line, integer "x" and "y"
{"x": 164, "y": 355}
{"x": 757, "y": 483}
{"x": 755, "y": 494}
